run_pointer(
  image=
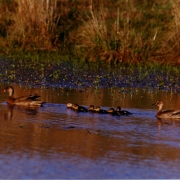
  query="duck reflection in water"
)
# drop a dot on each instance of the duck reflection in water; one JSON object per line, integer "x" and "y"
{"x": 8, "y": 115}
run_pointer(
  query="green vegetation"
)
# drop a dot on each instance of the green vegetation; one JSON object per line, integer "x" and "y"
{"x": 51, "y": 69}
{"x": 113, "y": 31}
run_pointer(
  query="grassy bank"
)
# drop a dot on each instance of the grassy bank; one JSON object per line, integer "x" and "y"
{"x": 110, "y": 31}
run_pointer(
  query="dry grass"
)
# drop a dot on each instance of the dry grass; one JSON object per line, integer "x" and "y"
{"x": 121, "y": 31}
{"x": 116, "y": 40}
{"x": 33, "y": 24}
{"x": 170, "y": 42}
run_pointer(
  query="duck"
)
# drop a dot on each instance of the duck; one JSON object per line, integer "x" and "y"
{"x": 30, "y": 100}
{"x": 166, "y": 113}
{"x": 78, "y": 108}
{"x": 112, "y": 111}
{"x": 91, "y": 108}
{"x": 122, "y": 112}
{"x": 99, "y": 110}
{"x": 69, "y": 105}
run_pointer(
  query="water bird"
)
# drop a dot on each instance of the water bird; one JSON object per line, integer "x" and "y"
{"x": 69, "y": 105}
{"x": 122, "y": 112}
{"x": 99, "y": 110}
{"x": 78, "y": 108}
{"x": 91, "y": 108}
{"x": 112, "y": 111}
{"x": 166, "y": 113}
{"x": 30, "y": 100}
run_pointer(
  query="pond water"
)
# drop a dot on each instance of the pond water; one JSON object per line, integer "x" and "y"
{"x": 56, "y": 142}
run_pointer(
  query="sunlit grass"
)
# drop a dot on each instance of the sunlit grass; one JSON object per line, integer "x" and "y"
{"x": 131, "y": 44}
{"x": 126, "y": 32}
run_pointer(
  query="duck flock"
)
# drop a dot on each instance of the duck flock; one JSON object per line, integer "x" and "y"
{"x": 32, "y": 100}
{"x": 97, "y": 109}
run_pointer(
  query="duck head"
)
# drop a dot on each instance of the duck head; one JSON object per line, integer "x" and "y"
{"x": 10, "y": 90}
{"x": 75, "y": 106}
{"x": 91, "y": 108}
{"x": 69, "y": 105}
{"x": 111, "y": 110}
{"x": 97, "y": 109}
{"x": 158, "y": 103}
{"x": 118, "y": 109}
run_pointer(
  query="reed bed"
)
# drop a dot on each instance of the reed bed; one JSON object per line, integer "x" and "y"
{"x": 114, "y": 32}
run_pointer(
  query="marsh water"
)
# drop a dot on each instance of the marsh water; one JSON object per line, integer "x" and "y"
{"x": 55, "y": 142}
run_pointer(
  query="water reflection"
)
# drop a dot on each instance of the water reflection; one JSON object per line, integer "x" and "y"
{"x": 58, "y": 142}
{"x": 8, "y": 115}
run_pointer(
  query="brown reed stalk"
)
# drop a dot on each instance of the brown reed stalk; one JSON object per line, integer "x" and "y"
{"x": 127, "y": 31}
{"x": 34, "y": 24}
{"x": 109, "y": 42}
{"x": 170, "y": 42}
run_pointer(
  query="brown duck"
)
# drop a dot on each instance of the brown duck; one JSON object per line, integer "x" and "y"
{"x": 70, "y": 105}
{"x": 112, "y": 111}
{"x": 167, "y": 113}
{"x": 122, "y": 112}
{"x": 99, "y": 110}
{"x": 91, "y": 108}
{"x": 30, "y": 100}
{"x": 78, "y": 108}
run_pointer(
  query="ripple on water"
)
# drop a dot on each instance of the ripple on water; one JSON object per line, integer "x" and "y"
{"x": 58, "y": 142}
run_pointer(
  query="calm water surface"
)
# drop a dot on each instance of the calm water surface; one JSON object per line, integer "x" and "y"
{"x": 56, "y": 142}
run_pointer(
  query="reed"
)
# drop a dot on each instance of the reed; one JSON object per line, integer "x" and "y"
{"x": 122, "y": 31}
{"x": 170, "y": 41}
{"x": 33, "y": 24}
{"x": 123, "y": 37}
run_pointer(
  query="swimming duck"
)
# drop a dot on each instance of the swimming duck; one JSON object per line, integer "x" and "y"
{"x": 69, "y": 105}
{"x": 166, "y": 113}
{"x": 78, "y": 108}
{"x": 99, "y": 110}
{"x": 30, "y": 100}
{"x": 112, "y": 111}
{"x": 91, "y": 108}
{"x": 122, "y": 112}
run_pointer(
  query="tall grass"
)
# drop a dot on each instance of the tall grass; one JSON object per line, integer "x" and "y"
{"x": 33, "y": 24}
{"x": 170, "y": 42}
{"x": 122, "y": 36}
{"x": 121, "y": 31}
